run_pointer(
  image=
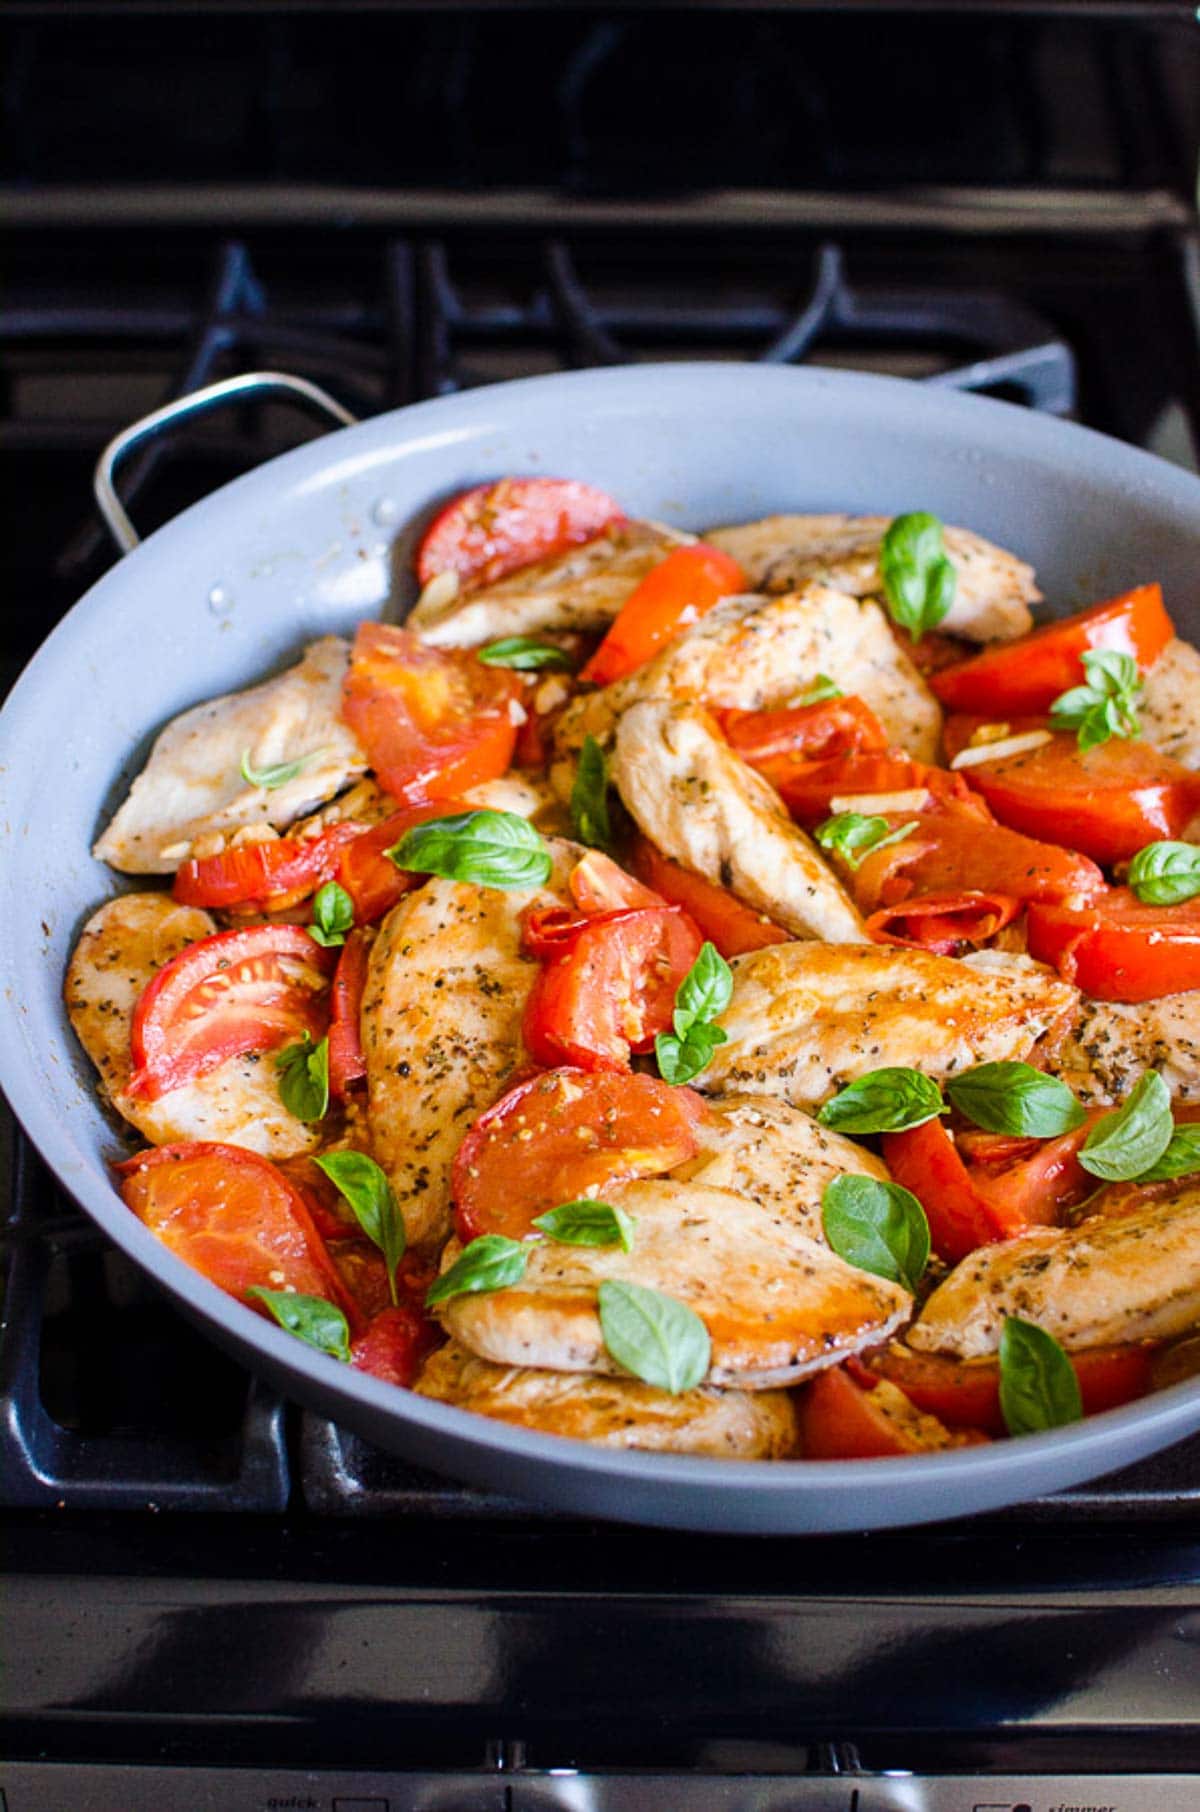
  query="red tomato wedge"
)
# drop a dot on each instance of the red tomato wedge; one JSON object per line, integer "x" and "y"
{"x": 958, "y": 847}
{"x": 267, "y": 876}
{"x": 1105, "y": 802}
{"x": 364, "y": 869}
{"x": 1114, "y": 948}
{"x": 494, "y": 529}
{"x": 236, "y": 991}
{"x": 673, "y": 595}
{"x": 966, "y": 1393}
{"x": 946, "y": 923}
{"x": 612, "y": 990}
{"x": 1027, "y": 675}
{"x": 234, "y": 1217}
{"x": 598, "y": 884}
{"x": 347, "y": 1064}
{"x": 395, "y": 1343}
{"x": 562, "y": 1135}
{"x": 809, "y": 788}
{"x": 820, "y": 732}
{"x": 846, "y": 1415}
{"x": 433, "y": 721}
{"x": 718, "y": 914}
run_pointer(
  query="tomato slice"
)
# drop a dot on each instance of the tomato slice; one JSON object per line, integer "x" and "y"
{"x": 820, "y": 732}
{"x": 562, "y": 1135}
{"x": 433, "y": 721}
{"x": 364, "y": 869}
{"x": 233, "y": 992}
{"x": 1029, "y": 674}
{"x": 612, "y": 990}
{"x": 598, "y": 884}
{"x": 848, "y": 1414}
{"x": 718, "y": 914}
{"x": 395, "y": 1343}
{"x": 1106, "y": 802}
{"x": 347, "y": 1064}
{"x": 958, "y": 847}
{"x": 1114, "y": 948}
{"x": 493, "y": 529}
{"x": 809, "y": 788}
{"x": 674, "y": 594}
{"x": 966, "y": 1392}
{"x": 268, "y": 876}
{"x": 233, "y": 1216}
{"x": 946, "y": 923}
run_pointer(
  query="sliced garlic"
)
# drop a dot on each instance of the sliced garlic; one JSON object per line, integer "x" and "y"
{"x": 914, "y": 800}
{"x": 1000, "y": 751}
{"x": 253, "y": 833}
{"x": 175, "y": 852}
{"x": 210, "y": 843}
{"x": 441, "y": 590}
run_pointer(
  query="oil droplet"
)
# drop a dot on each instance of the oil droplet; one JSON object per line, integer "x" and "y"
{"x": 384, "y": 510}
{"x": 220, "y": 600}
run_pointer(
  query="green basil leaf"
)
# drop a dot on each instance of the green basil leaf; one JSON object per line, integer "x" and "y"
{"x": 705, "y": 991}
{"x": 681, "y": 1059}
{"x": 1038, "y": 1386}
{"x": 878, "y": 1227}
{"x": 919, "y": 582}
{"x": 589, "y": 797}
{"x": 524, "y": 653}
{"x": 310, "y": 1318}
{"x": 658, "y": 1339}
{"x": 490, "y": 849}
{"x": 270, "y": 778}
{"x": 1180, "y": 1159}
{"x": 488, "y": 1263}
{"x": 588, "y": 1223}
{"x": 821, "y": 689}
{"x": 1015, "y": 1098}
{"x": 333, "y": 915}
{"x": 1106, "y": 706}
{"x": 1128, "y": 1142}
{"x": 1165, "y": 874}
{"x": 853, "y": 837}
{"x": 887, "y": 1100}
{"x": 363, "y": 1185}
{"x": 304, "y": 1078}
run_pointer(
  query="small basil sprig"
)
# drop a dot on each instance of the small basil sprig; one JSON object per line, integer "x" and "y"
{"x": 887, "y": 1100}
{"x": 363, "y": 1185}
{"x": 1105, "y": 706}
{"x": 1127, "y": 1143}
{"x": 919, "y": 582}
{"x": 1015, "y": 1098}
{"x": 588, "y": 1223}
{"x": 333, "y": 915}
{"x": 270, "y": 778}
{"x": 821, "y": 689}
{"x": 490, "y": 849}
{"x": 657, "y": 1338}
{"x": 877, "y": 1227}
{"x": 524, "y": 653}
{"x": 854, "y": 837}
{"x": 1165, "y": 874}
{"x": 1038, "y": 1386}
{"x": 488, "y": 1263}
{"x": 589, "y": 797}
{"x": 1180, "y": 1159}
{"x": 702, "y": 995}
{"x": 304, "y": 1078}
{"x": 310, "y": 1318}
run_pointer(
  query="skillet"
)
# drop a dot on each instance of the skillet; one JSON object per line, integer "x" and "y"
{"x": 322, "y": 537}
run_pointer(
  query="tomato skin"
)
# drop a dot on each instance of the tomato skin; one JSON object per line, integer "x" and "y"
{"x": 190, "y": 1018}
{"x": 269, "y": 876}
{"x": 819, "y": 732}
{"x": 808, "y": 788}
{"x": 674, "y": 594}
{"x": 943, "y": 922}
{"x": 1029, "y": 674}
{"x": 719, "y": 915}
{"x": 966, "y": 1393}
{"x": 843, "y": 1418}
{"x": 598, "y": 884}
{"x": 560, "y": 1134}
{"x": 961, "y": 1215}
{"x": 394, "y": 1344}
{"x": 1114, "y": 948}
{"x": 494, "y": 529}
{"x": 347, "y": 1064}
{"x": 958, "y": 847}
{"x": 433, "y": 721}
{"x": 233, "y": 1216}
{"x": 372, "y": 880}
{"x": 612, "y": 990}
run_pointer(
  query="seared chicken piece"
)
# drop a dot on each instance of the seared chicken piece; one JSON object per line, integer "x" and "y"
{"x": 1111, "y": 1279}
{"x": 776, "y": 1156}
{"x": 193, "y": 786}
{"x": 441, "y": 1028}
{"x": 119, "y": 950}
{"x": 582, "y": 589}
{"x": 805, "y": 1019}
{"x": 778, "y": 1306}
{"x": 529, "y": 795}
{"x": 620, "y": 1413}
{"x": 756, "y": 654}
{"x": 1169, "y": 706}
{"x": 1110, "y": 1045}
{"x": 701, "y": 805}
{"x": 991, "y": 600}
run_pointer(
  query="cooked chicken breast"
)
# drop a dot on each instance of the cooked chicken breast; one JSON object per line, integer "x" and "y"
{"x": 529, "y": 795}
{"x": 778, "y": 1305}
{"x": 1169, "y": 707}
{"x": 755, "y": 654}
{"x": 776, "y": 1156}
{"x": 991, "y": 601}
{"x": 1130, "y": 1276}
{"x": 807, "y": 1018}
{"x": 1110, "y": 1045}
{"x": 582, "y": 589}
{"x": 119, "y": 950}
{"x": 441, "y": 1026}
{"x": 619, "y": 1413}
{"x": 192, "y": 785}
{"x": 701, "y": 805}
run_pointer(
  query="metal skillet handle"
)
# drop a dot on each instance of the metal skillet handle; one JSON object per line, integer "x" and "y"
{"x": 229, "y": 390}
